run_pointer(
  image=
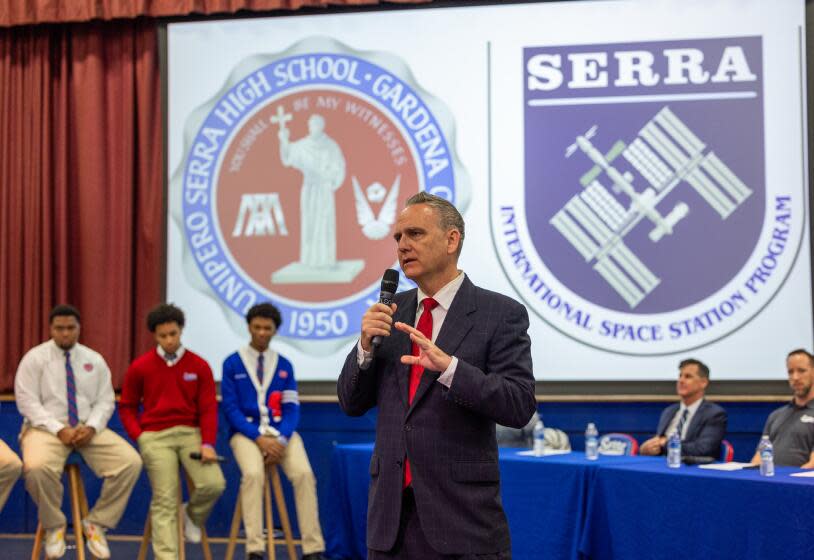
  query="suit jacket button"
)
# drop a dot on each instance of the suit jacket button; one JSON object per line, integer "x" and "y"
{"x": 407, "y": 427}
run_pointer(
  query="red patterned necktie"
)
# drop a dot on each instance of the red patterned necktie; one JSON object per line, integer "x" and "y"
{"x": 424, "y": 326}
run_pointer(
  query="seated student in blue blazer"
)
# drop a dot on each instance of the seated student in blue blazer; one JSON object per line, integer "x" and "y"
{"x": 701, "y": 424}
{"x": 262, "y": 407}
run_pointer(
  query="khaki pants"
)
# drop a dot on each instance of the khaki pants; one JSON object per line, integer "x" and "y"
{"x": 162, "y": 451}
{"x": 298, "y": 470}
{"x": 10, "y": 469}
{"x": 107, "y": 454}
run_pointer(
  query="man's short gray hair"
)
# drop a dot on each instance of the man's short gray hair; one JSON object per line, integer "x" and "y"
{"x": 450, "y": 217}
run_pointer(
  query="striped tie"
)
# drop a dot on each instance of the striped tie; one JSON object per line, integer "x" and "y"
{"x": 260, "y": 369}
{"x": 73, "y": 411}
{"x": 681, "y": 422}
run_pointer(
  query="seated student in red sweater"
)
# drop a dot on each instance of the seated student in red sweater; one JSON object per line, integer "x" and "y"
{"x": 260, "y": 403}
{"x": 179, "y": 417}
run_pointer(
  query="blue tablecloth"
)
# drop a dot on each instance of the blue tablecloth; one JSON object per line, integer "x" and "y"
{"x": 647, "y": 510}
{"x": 344, "y": 528}
{"x": 545, "y": 499}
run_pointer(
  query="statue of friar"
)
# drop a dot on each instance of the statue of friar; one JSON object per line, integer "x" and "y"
{"x": 322, "y": 164}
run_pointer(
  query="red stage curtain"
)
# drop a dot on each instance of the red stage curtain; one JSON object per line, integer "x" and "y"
{"x": 81, "y": 195}
{"x": 23, "y": 12}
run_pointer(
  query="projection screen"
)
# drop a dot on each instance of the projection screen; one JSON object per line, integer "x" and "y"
{"x": 634, "y": 172}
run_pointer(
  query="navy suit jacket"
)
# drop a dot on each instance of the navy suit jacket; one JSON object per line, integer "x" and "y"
{"x": 447, "y": 433}
{"x": 705, "y": 432}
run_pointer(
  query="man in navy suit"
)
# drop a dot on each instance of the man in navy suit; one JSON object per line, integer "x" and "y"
{"x": 454, "y": 360}
{"x": 701, "y": 424}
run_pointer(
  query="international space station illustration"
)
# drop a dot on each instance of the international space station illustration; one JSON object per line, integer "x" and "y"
{"x": 666, "y": 153}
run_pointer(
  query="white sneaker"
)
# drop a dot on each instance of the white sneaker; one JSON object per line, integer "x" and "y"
{"x": 55, "y": 543}
{"x": 192, "y": 533}
{"x": 95, "y": 537}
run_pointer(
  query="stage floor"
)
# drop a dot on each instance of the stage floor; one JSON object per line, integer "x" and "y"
{"x": 125, "y": 546}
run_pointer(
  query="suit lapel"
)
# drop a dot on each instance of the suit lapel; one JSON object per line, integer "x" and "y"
{"x": 696, "y": 418}
{"x": 458, "y": 322}
{"x": 456, "y": 326}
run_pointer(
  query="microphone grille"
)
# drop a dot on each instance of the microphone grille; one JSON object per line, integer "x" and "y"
{"x": 390, "y": 281}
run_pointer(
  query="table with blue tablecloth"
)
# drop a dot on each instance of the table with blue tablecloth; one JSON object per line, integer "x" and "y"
{"x": 647, "y": 510}
{"x": 545, "y": 499}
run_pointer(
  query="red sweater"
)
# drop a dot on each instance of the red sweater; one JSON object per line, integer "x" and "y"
{"x": 181, "y": 395}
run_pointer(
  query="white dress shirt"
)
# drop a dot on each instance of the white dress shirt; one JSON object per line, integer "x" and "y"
{"x": 691, "y": 410}
{"x": 40, "y": 387}
{"x": 444, "y": 297}
{"x": 178, "y": 355}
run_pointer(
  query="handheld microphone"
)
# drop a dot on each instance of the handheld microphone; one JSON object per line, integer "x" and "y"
{"x": 197, "y": 456}
{"x": 390, "y": 283}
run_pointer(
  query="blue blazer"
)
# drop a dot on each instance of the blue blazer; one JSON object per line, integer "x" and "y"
{"x": 705, "y": 432}
{"x": 447, "y": 433}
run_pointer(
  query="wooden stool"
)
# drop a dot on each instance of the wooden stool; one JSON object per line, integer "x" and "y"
{"x": 79, "y": 508}
{"x": 148, "y": 528}
{"x": 273, "y": 473}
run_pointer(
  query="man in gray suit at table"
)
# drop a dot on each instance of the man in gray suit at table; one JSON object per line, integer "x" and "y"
{"x": 454, "y": 360}
{"x": 701, "y": 424}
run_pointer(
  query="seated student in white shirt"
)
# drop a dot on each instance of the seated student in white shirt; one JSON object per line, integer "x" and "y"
{"x": 701, "y": 424}
{"x": 63, "y": 391}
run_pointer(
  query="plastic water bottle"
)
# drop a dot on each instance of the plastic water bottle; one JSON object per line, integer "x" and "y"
{"x": 539, "y": 439}
{"x": 766, "y": 450}
{"x": 591, "y": 442}
{"x": 674, "y": 450}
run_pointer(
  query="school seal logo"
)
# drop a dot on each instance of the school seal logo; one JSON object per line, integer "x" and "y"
{"x": 293, "y": 177}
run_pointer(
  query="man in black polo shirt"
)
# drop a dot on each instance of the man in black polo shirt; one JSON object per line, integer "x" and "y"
{"x": 791, "y": 428}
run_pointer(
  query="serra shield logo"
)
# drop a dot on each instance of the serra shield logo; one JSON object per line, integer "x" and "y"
{"x": 645, "y": 225}
{"x": 293, "y": 177}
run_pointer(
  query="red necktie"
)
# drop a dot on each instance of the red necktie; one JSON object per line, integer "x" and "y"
{"x": 424, "y": 326}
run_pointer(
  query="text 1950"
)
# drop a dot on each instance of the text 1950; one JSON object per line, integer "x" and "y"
{"x": 318, "y": 323}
